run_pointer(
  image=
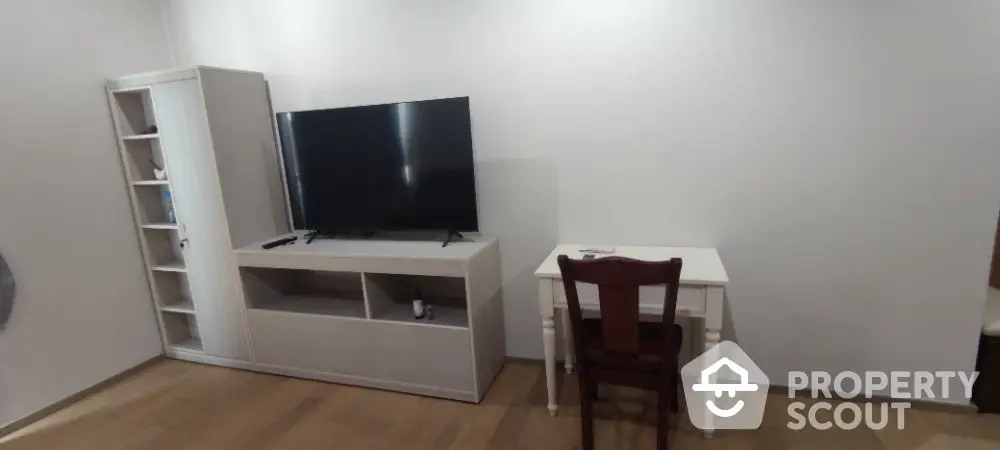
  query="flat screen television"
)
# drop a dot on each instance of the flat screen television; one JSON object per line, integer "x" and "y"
{"x": 399, "y": 166}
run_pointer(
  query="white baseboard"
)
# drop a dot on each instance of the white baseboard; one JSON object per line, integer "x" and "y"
{"x": 211, "y": 360}
{"x": 465, "y": 396}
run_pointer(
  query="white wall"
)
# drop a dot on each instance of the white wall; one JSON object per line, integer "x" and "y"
{"x": 841, "y": 155}
{"x": 83, "y": 311}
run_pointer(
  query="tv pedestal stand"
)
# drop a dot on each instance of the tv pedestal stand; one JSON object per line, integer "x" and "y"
{"x": 342, "y": 311}
{"x": 451, "y": 234}
{"x": 312, "y": 235}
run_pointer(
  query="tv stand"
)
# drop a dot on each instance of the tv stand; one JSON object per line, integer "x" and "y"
{"x": 312, "y": 235}
{"x": 342, "y": 311}
{"x": 451, "y": 234}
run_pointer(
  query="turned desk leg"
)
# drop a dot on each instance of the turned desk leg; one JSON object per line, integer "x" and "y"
{"x": 567, "y": 339}
{"x": 713, "y": 331}
{"x": 711, "y": 340}
{"x": 545, "y": 302}
{"x": 549, "y": 339}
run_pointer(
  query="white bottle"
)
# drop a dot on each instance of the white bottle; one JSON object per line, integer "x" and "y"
{"x": 418, "y": 305}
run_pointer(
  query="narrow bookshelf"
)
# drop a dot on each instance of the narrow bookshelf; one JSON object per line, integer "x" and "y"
{"x": 159, "y": 231}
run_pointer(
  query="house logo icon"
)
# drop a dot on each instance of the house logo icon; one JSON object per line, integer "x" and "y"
{"x": 724, "y": 389}
{"x": 743, "y": 386}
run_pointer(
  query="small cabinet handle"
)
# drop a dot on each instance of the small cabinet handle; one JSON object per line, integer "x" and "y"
{"x": 185, "y": 242}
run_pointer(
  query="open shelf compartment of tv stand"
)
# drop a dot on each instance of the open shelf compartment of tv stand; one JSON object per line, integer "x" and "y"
{"x": 340, "y": 310}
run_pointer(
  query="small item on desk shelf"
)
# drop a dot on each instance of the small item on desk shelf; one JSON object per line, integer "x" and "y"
{"x": 418, "y": 305}
{"x": 158, "y": 172}
{"x": 152, "y": 129}
{"x": 279, "y": 242}
{"x": 168, "y": 204}
{"x": 601, "y": 250}
{"x": 430, "y": 312}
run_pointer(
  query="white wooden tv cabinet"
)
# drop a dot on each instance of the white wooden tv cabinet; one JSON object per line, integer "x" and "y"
{"x": 340, "y": 310}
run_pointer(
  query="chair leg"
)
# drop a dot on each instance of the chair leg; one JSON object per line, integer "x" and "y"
{"x": 586, "y": 411}
{"x": 675, "y": 403}
{"x": 663, "y": 418}
{"x": 595, "y": 392}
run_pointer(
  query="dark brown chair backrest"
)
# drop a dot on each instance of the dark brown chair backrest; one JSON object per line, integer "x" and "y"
{"x": 618, "y": 281}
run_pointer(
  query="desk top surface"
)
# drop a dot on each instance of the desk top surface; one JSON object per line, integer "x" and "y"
{"x": 701, "y": 265}
{"x": 384, "y": 247}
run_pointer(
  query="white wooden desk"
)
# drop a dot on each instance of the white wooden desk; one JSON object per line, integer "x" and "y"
{"x": 703, "y": 281}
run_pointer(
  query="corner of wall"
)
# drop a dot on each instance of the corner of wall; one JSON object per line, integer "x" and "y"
{"x": 166, "y": 18}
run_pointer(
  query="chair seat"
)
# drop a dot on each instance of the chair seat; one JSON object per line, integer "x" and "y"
{"x": 652, "y": 344}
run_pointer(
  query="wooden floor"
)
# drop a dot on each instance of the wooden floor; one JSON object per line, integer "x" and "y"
{"x": 175, "y": 405}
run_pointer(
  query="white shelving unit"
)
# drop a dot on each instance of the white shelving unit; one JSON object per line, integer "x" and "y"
{"x": 211, "y": 131}
{"x": 336, "y": 310}
{"x": 341, "y": 310}
{"x": 133, "y": 112}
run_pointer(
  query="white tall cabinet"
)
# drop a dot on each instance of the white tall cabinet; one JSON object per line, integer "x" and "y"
{"x": 211, "y": 131}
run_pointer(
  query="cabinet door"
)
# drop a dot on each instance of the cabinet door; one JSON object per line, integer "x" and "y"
{"x": 312, "y": 342}
{"x": 437, "y": 357}
{"x": 197, "y": 196}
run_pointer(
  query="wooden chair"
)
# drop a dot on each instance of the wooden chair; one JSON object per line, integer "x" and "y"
{"x": 617, "y": 348}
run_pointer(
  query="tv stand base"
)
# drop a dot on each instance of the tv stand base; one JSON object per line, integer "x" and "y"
{"x": 312, "y": 235}
{"x": 451, "y": 234}
{"x": 358, "y": 294}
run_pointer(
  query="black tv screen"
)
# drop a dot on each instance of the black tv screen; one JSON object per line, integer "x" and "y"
{"x": 400, "y": 166}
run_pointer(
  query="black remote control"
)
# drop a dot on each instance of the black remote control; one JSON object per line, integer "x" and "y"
{"x": 279, "y": 242}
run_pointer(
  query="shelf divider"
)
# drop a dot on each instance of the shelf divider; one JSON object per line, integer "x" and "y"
{"x": 185, "y": 307}
{"x": 161, "y": 226}
{"x": 151, "y": 183}
{"x": 176, "y": 266}
{"x": 140, "y": 137}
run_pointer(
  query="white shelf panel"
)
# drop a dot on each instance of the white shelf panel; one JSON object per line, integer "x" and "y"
{"x": 181, "y": 331}
{"x": 131, "y": 90}
{"x": 310, "y": 304}
{"x": 160, "y": 226}
{"x": 185, "y": 307}
{"x": 192, "y": 344}
{"x": 447, "y": 316}
{"x": 151, "y": 183}
{"x": 140, "y": 137}
{"x": 176, "y": 266}
{"x": 409, "y": 257}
